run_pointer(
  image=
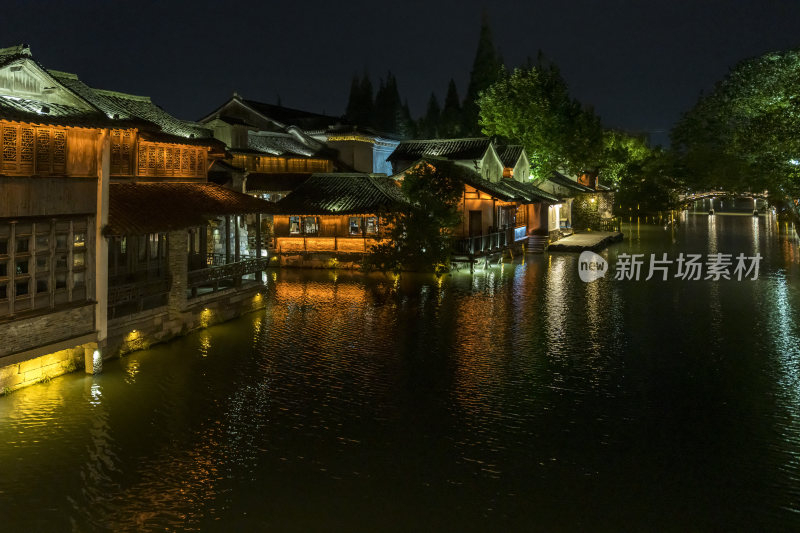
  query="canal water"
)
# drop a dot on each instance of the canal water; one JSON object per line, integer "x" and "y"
{"x": 517, "y": 398}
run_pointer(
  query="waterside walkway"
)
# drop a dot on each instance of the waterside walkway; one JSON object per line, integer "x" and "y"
{"x": 590, "y": 240}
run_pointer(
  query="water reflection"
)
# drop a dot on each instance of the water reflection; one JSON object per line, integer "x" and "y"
{"x": 486, "y": 401}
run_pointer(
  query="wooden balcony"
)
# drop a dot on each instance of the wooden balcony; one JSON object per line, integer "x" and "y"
{"x": 129, "y": 298}
{"x": 224, "y": 275}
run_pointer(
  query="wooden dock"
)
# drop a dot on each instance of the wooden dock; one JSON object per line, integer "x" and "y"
{"x": 589, "y": 240}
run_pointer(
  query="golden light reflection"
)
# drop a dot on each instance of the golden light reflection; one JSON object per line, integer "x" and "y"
{"x": 319, "y": 292}
{"x": 477, "y": 364}
{"x": 205, "y": 317}
{"x": 131, "y": 365}
{"x": 205, "y": 343}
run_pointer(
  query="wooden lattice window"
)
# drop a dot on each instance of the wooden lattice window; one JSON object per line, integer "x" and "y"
{"x": 201, "y": 163}
{"x": 159, "y": 160}
{"x": 59, "y": 150}
{"x": 170, "y": 160}
{"x": 9, "y": 148}
{"x": 151, "y": 159}
{"x": 33, "y": 150}
{"x": 142, "y": 159}
{"x": 43, "y": 152}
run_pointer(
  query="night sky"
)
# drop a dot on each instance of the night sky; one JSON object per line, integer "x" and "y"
{"x": 639, "y": 63}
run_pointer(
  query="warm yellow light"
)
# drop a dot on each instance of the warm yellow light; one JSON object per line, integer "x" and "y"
{"x": 205, "y": 317}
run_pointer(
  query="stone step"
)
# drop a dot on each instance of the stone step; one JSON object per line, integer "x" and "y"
{"x": 537, "y": 244}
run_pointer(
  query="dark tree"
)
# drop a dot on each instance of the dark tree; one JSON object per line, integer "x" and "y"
{"x": 420, "y": 238}
{"x": 533, "y": 107}
{"x": 406, "y": 127}
{"x": 359, "y": 104}
{"x": 450, "y": 124}
{"x": 429, "y": 124}
{"x": 743, "y": 136}
{"x": 485, "y": 71}
{"x": 388, "y": 106}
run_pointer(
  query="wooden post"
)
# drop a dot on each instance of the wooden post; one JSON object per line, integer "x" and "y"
{"x": 237, "y": 246}
{"x": 227, "y": 239}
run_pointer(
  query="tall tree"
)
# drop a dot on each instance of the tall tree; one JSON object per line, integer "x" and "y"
{"x": 450, "y": 124}
{"x": 743, "y": 136}
{"x": 621, "y": 152}
{"x": 354, "y": 100}
{"x": 485, "y": 71}
{"x": 359, "y": 104}
{"x": 387, "y": 105}
{"x": 429, "y": 124}
{"x": 533, "y": 107}
{"x": 406, "y": 127}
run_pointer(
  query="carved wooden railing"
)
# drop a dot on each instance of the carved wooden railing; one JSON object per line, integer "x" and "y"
{"x": 136, "y": 297}
{"x": 215, "y": 274}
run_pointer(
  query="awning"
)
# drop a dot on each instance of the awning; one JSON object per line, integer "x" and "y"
{"x": 141, "y": 208}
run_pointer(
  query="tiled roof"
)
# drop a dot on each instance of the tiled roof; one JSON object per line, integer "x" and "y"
{"x": 528, "y": 191}
{"x": 564, "y": 181}
{"x": 352, "y": 129}
{"x": 128, "y": 106}
{"x": 453, "y": 149}
{"x": 140, "y": 208}
{"x": 12, "y": 53}
{"x": 37, "y": 112}
{"x": 509, "y": 154}
{"x": 294, "y": 117}
{"x": 506, "y": 189}
{"x": 342, "y": 194}
{"x": 275, "y": 182}
{"x": 280, "y": 144}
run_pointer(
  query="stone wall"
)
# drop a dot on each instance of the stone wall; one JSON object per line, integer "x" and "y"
{"x": 24, "y": 373}
{"x": 589, "y": 209}
{"x": 24, "y": 334}
{"x": 141, "y": 330}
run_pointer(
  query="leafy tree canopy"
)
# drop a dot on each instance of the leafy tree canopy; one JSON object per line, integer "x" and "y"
{"x": 420, "y": 238}
{"x": 745, "y": 134}
{"x": 621, "y": 152}
{"x": 533, "y": 107}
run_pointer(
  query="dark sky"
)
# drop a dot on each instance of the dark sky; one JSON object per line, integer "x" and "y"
{"x": 639, "y": 63}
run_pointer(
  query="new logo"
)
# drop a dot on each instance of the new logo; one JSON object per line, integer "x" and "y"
{"x": 591, "y": 267}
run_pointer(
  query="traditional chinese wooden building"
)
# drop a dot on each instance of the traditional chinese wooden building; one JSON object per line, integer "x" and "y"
{"x": 69, "y": 152}
{"x": 269, "y": 146}
{"x": 359, "y": 148}
{"x": 335, "y": 214}
{"x": 500, "y": 209}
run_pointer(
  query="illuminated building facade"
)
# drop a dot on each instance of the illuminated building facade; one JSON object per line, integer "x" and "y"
{"x": 74, "y": 245}
{"x": 338, "y": 215}
{"x": 500, "y": 207}
{"x": 270, "y": 151}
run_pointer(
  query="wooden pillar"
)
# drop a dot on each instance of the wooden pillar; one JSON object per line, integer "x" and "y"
{"x": 237, "y": 245}
{"x": 227, "y": 239}
{"x": 178, "y": 264}
{"x": 204, "y": 246}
